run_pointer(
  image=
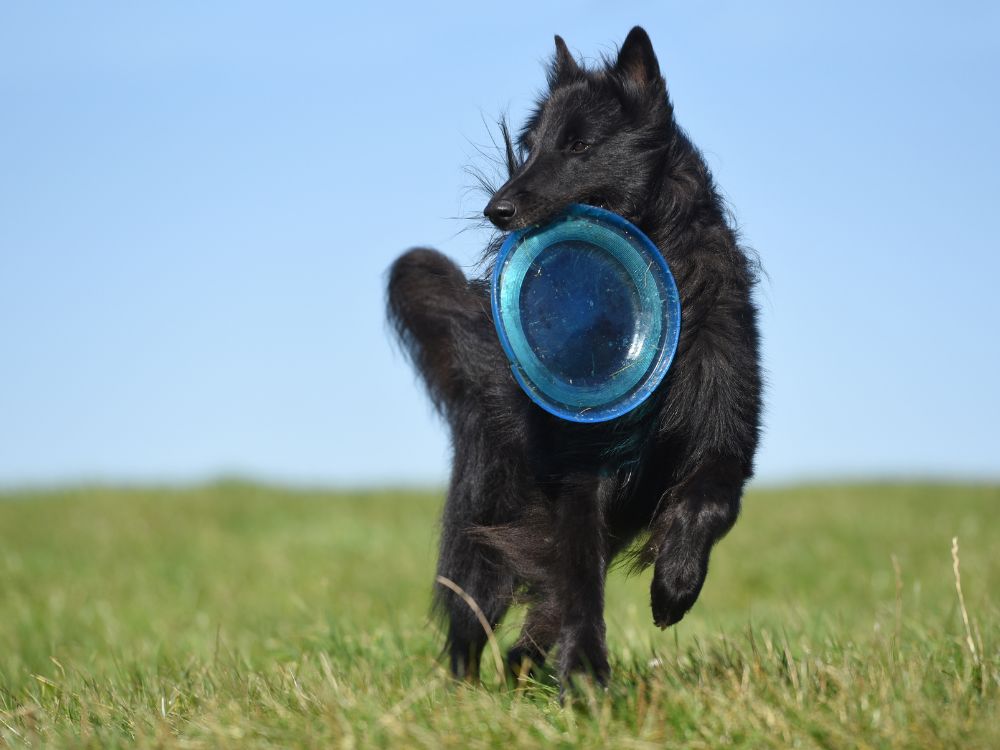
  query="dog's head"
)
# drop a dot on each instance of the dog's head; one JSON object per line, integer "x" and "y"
{"x": 593, "y": 138}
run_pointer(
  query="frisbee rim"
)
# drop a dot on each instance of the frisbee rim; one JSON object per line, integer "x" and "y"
{"x": 661, "y": 362}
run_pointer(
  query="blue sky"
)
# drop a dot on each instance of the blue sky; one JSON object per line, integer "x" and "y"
{"x": 198, "y": 202}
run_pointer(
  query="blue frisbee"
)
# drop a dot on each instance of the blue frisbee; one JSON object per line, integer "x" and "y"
{"x": 587, "y": 312}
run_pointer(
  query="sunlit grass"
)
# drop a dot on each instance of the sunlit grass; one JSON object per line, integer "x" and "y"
{"x": 245, "y": 616}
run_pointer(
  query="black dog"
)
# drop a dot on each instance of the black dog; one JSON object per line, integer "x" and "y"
{"x": 538, "y": 506}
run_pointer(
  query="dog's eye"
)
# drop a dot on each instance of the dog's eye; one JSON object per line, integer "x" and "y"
{"x": 579, "y": 147}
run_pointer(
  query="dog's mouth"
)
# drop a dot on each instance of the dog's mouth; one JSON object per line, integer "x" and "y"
{"x": 546, "y": 213}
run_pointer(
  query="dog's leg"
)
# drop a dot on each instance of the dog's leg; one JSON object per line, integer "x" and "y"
{"x": 477, "y": 571}
{"x": 693, "y": 517}
{"x": 481, "y": 494}
{"x": 707, "y": 435}
{"x": 581, "y": 539}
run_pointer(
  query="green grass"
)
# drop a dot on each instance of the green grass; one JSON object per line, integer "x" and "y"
{"x": 242, "y": 616}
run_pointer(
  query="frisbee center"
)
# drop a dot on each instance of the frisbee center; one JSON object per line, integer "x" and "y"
{"x": 580, "y": 310}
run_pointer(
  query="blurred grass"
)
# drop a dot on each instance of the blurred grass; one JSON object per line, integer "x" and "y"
{"x": 247, "y": 616}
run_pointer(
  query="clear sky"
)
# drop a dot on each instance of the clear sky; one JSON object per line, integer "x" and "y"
{"x": 198, "y": 202}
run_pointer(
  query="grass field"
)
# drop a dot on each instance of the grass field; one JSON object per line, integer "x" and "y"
{"x": 243, "y": 616}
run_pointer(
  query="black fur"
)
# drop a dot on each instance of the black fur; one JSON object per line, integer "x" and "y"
{"x": 538, "y": 506}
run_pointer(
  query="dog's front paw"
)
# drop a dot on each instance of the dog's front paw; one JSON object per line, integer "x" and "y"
{"x": 675, "y": 588}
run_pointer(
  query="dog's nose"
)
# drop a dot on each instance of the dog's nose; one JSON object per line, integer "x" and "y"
{"x": 500, "y": 211}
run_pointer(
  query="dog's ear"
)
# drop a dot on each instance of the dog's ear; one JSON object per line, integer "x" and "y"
{"x": 636, "y": 59}
{"x": 564, "y": 68}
